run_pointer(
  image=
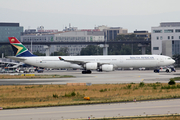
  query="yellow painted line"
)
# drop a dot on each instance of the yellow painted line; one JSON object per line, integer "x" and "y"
{"x": 91, "y": 110}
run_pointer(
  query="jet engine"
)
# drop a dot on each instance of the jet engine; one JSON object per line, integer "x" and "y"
{"x": 107, "y": 68}
{"x": 91, "y": 66}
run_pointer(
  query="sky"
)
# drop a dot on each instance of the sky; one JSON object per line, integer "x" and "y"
{"x": 86, "y": 14}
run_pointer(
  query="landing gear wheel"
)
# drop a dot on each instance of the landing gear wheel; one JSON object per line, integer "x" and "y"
{"x": 156, "y": 71}
{"x": 99, "y": 70}
{"x": 86, "y": 72}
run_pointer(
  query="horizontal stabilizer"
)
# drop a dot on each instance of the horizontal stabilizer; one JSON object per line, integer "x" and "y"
{"x": 16, "y": 58}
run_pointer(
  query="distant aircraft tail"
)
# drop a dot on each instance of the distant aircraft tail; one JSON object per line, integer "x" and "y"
{"x": 19, "y": 49}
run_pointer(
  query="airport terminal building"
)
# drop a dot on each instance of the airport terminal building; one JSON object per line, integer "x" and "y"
{"x": 9, "y": 30}
{"x": 70, "y": 36}
{"x": 111, "y": 33}
{"x": 165, "y": 39}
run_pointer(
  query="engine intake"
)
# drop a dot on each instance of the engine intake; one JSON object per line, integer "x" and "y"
{"x": 91, "y": 66}
{"x": 107, "y": 68}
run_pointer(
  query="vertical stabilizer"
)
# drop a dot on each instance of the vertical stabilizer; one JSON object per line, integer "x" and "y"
{"x": 19, "y": 49}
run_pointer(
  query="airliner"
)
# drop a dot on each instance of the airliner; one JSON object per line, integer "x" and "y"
{"x": 87, "y": 63}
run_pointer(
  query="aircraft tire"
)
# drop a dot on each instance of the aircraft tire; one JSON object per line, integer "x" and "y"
{"x": 156, "y": 71}
{"x": 86, "y": 72}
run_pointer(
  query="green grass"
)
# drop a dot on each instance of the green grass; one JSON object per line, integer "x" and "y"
{"x": 33, "y": 77}
{"x": 20, "y": 96}
{"x": 175, "y": 78}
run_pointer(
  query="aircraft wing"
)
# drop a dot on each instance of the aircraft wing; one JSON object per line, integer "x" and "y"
{"x": 79, "y": 62}
{"x": 73, "y": 61}
{"x": 16, "y": 58}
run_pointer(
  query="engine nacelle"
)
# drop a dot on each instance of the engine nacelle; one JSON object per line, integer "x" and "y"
{"x": 107, "y": 68}
{"x": 91, "y": 66}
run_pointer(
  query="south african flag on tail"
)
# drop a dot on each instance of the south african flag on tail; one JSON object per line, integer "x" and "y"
{"x": 19, "y": 49}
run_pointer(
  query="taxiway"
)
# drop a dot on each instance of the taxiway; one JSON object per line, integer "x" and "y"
{"x": 94, "y": 111}
{"x": 114, "y": 77}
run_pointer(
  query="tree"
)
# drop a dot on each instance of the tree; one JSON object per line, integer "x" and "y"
{"x": 119, "y": 49}
{"x": 7, "y": 50}
{"x": 177, "y": 59}
{"x": 127, "y": 49}
{"x": 38, "y": 53}
{"x": 129, "y": 37}
{"x": 62, "y": 51}
{"x": 92, "y": 50}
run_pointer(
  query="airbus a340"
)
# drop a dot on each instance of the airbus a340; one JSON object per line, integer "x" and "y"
{"x": 87, "y": 63}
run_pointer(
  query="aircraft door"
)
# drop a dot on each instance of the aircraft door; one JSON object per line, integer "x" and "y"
{"x": 120, "y": 61}
{"x": 160, "y": 61}
{"x": 39, "y": 60}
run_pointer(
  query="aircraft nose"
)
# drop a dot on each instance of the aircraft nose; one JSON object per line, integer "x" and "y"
{"x": 173, "y": 61}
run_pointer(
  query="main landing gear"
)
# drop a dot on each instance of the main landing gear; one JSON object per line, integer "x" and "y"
{"x": 86, "y": 72}
{"x": 99, "y": 70}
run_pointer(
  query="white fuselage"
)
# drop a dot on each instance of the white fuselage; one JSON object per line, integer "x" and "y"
{"x": 115, "y": 60}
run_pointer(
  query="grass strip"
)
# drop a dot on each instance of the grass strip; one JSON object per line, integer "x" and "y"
{"x": 33, "y": 77}
{"x": 175, "y": 79}
{"x": 25, "y": 96}
{"x": 141, "y": 117}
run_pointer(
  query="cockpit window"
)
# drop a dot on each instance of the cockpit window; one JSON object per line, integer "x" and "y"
{"x": 169, "y": 58}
